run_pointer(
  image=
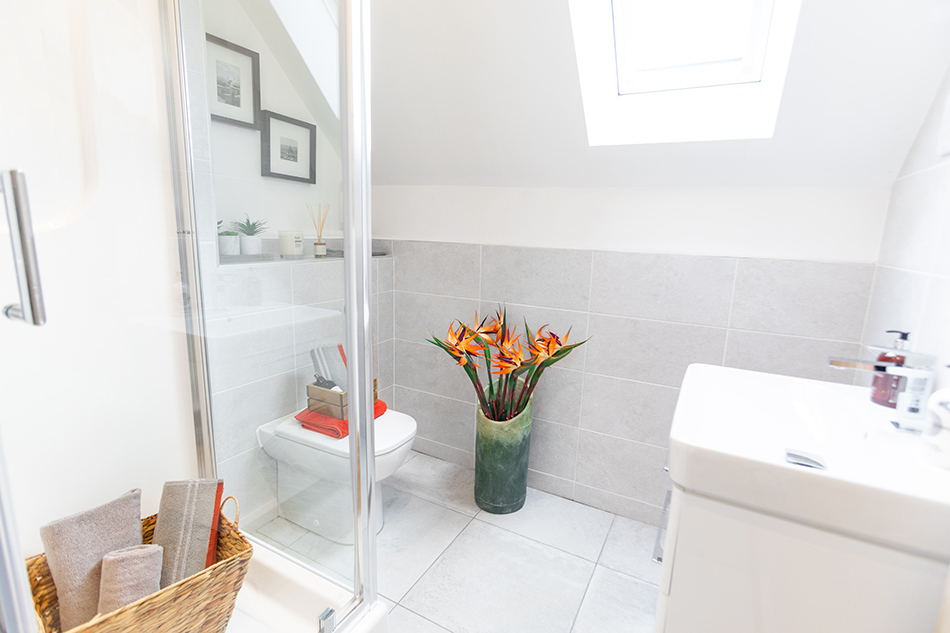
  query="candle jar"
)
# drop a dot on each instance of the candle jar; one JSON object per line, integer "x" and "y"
{"x": 319, "y": 249}
{"x": 291, "y": 244}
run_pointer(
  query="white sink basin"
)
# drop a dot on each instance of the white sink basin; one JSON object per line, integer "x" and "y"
{"x": 729, "y": 439}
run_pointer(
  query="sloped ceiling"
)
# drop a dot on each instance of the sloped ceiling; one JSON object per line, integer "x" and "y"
{"x": 486, "y": 92}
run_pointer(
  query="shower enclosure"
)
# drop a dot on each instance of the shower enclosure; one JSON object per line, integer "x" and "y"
{"x": 272, "y": 113}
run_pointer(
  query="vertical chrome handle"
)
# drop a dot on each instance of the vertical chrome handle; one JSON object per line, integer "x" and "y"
{"x": 31, "y": 308}
{"x": 661, "y": 530}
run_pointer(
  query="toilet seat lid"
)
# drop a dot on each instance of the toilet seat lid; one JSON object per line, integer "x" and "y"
{"x": 393, "y": 429}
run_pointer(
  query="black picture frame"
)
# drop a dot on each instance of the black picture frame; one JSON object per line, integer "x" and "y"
{"x": 217, "y": 100}
{"x": 268, "y": 150}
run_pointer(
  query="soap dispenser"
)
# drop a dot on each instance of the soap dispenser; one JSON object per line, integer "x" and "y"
{"x": 886, "y": 386}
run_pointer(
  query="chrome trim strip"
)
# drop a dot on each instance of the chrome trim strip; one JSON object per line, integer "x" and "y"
{"x": 661, "y": 531}
{"x": 31, "y": 308}
{"x": 179, "y": 126}
{"x": 16, "y": 600}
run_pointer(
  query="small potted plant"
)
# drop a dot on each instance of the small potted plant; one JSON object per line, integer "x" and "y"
{"x": 503, "y": 416}
{"x": 250, "y": 234}
{"x": 228, "y": 241}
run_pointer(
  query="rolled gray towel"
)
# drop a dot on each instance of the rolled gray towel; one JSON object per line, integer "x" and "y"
{"x": 75, "y": 547}
{"x": 128, "y": 575}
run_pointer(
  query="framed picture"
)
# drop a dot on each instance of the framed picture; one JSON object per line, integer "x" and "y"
{"x": 288, "y": 148}
{"x": 234, "y": 82}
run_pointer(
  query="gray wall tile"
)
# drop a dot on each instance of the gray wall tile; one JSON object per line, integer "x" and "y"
{"x": 650, "y": 351}
{"x": 551, "y": 484}
{"x": 231, "y": 290}
{"x": 251, "y": 477}
{"x": 416, "y": 315}
{"x": 789, "y": 355}
{"x": 558, "y": 321}
{"x": 383, "y": 245}
{"x": 679, "y": 288}
{"x": 553, "y": 278}
{"x": 935, "y": 328}
{"x": 631, "y": 410}
{"x": 385, "y": 276}
{"x": 437, "y": 268}
{"x": 814, "y": 299}
{"x": 441, "y": 420}
{"x": 918, "y": 224}
{"x": 425, "y": 367}
{"x": 247, "y": 348}
{"x": 553, "y": 448}
{"x": 622, "y": 467}
{"x": 239, "y": 411}
{"x": 558, "y": 396}
{"x": 448, "y": 453}
{"x": 618, "y": 504}
{"x": 897, "y": 303}
{"x": 317, "y": 325}
{"x": 317, "y": 282}
{"x": 386, "y": 359}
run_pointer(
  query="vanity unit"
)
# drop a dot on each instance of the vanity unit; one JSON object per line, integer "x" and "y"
{"x": 795, "y": 507}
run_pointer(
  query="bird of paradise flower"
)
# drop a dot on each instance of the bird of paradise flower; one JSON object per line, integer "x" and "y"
{"x": 512, "y": 371}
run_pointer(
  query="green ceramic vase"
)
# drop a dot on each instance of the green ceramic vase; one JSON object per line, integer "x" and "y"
{"x": 501, "y": 462}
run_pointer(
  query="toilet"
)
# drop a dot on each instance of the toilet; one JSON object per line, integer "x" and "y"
{"x": 313, "y": 471}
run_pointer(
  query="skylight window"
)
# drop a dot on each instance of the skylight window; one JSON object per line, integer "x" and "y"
{"x": 681, "y": 70}
{"x": 677, "y": 44}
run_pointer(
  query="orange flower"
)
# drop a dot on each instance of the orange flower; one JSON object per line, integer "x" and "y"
{"x": 485, "y": 329}
{"x": 544, "y": 347}
{"x": 459, "y": 345}
{"x": 510, "y": 355}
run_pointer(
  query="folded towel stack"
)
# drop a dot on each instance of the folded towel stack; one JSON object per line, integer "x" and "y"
{"x": 333, "y": 427}
{"x": 128, "y": 575}
{"x": 187, "y": 527}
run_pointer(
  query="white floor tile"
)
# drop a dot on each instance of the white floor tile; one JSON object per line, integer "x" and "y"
{"x": 558, "y": 522}
{"x": 332, "y": 559}
{"x": 629, "y": 549}
{"x": 617, "y": 602}
{"x": 491, "y": 580}
{"x": 415, "y": 534}
{"x": 439, "y": 481}
{"x": 282, "y": 531}
{"x": 402, "y": 620}
{"x": 390, "y": 604}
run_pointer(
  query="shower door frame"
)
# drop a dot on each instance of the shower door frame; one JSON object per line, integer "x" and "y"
{"x": 355, "y": 76}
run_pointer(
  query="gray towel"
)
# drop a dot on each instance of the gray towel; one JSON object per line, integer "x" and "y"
{"x": 187, "y": 527}
{"x": 75, "y": 547}
{"x": 128, "y": 575}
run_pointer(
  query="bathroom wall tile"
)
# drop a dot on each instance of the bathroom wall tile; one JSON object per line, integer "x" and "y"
{"x": 203, "y": 187}
{"x": 617, "y": 602}
{"x": 558, "y": 522}
{"x": 680, "y": 288}
{"x": 789, "y": 355}
{"x": 553, "y": 448}
{"x": 387, "y": 395}
{"x": 618, "y": 504}
{"x": 558, "y": 321}
{"x": 317, "y": 282}
{"x": 251, "y": 477}
{"x": 556, "y": 588}
{"x": 374, "y": 277}
{"x": 650, "y": 351}
{"x": 917, "y": 224}
{"x": 383, "y": 245}
{"x": 449, "y": 454}
{"x": 425, "y": 367}
{"x": 935, "y": 328}
{"x": 548, "y": 277}
{"x": 814, "y": 299}
{"x": 627, "y": 409}
{"x": 437, "y": 268}
{"x": 629, "y": 550}
{"x": 385, "y": 277}
{"x": 238, "y": 412}
{"x": 246, "y": 348}
{"x": 442, "y": 420}
{"x": 318, "y": 325}
{"x": 897, "y": 303}
{"x": 386, "y": 361}
{"x": 385, "y": 315}
{"x": 418, "y": 315}
{"x": 622, "y": 467}
{"x": 193, "y": 39}
{"x": 557, "y": 397}
{"x": 551, "y": 484}
{"x": 234, "y": 289}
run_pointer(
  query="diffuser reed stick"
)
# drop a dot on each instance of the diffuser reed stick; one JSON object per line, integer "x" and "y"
{"x": 319, "y": 220}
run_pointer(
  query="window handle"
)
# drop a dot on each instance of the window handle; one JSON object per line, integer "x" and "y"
{"x": 31, "y": 308}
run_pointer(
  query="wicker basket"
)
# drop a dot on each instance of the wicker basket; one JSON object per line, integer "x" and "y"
{"x": 198, "y": 604}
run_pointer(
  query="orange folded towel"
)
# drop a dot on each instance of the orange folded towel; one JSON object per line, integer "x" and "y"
{"x": 319, "y": 423}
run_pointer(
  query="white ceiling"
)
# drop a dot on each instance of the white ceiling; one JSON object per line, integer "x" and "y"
{"x": 486, "y": 92}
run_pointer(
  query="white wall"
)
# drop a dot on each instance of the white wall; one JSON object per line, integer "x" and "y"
{"x": 239, "y": 188}
{"x": 97, "y": 401}
{"x": 912, "y": 280}
{"x": 835, "y": 224}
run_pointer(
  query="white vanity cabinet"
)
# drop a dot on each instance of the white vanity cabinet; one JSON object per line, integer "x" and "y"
{"x": 755, "y": 544}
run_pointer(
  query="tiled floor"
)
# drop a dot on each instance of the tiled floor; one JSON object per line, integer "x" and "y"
{"x": 444, "y": 565}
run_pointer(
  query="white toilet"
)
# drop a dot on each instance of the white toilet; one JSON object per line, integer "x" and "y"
{"x": 313, "y": 471}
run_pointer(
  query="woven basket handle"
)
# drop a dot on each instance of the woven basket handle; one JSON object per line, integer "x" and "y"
{"x": 237, "y": 509}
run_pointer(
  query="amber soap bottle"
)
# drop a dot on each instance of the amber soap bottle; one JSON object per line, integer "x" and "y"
{"x": 885, "y": 387}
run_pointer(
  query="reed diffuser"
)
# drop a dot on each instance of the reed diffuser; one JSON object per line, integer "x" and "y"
{"x": 323, "y": 211}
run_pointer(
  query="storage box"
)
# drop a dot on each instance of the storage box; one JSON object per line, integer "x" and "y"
{"x": 329, "y": 402}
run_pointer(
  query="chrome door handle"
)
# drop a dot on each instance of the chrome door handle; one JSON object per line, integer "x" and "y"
{"x": 31, "y": 308}
{"x": 661, "y": 530}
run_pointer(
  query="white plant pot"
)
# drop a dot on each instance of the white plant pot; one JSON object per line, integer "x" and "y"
{"x": 229, "y": 245}
{"x": 250, "y": 244}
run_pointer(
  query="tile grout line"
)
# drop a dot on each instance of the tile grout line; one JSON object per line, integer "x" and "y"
{"x": 437, "y": 558}
{"x": 732, "y": 302}
{"x": 580, "y": 414}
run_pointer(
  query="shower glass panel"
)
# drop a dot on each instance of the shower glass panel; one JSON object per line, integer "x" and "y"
{"x": 267, "y": 150}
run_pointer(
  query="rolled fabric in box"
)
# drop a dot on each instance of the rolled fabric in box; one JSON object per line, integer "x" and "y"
{"x": 128, "y": 575}
{"x": 75, "y": 546}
